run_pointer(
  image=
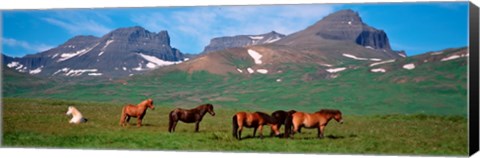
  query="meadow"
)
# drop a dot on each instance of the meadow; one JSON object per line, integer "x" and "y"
{"x": 42, "y": 123}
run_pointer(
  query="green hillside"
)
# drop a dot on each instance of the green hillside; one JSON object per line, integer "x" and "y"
{"x": 430, "y": 88}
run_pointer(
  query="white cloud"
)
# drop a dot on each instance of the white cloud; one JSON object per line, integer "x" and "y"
{"x": 78, "y": 23}
{"x": 26, "y": 45}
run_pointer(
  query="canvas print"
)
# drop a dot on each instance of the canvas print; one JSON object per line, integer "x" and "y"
{"x": 376, "y": 78}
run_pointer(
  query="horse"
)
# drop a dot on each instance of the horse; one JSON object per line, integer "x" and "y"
{"x": 317, "y": 120}
{"x": 137, "y": 111}
{"x": 77, "y": 115}
{"x": 280, "y": 116}
{"x": 194, "y": 115}
{"x": 255, "y": 120}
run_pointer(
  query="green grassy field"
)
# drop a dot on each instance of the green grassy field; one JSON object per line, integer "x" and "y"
{"x": 43, "y": 123}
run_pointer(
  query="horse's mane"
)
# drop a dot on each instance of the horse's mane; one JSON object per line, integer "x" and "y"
{"x": 145, "y": 102}
{"x": 75, "y": 111}
{"x": 207, "y": 104}
{"x": 329, "y": 111}
{"x": 266, "y": 117}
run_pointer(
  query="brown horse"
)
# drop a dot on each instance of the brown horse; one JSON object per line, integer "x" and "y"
{"x": 280, "y": 116}
{"x": 317, "y": 120}
{"x": 189, "y": 116}
{"x": 254, "y": 120}
{"x": 138, "y": 111}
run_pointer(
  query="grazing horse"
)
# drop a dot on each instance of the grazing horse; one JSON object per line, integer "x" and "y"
{"x": 189, "y": 116}
{"x": 138, "y": 111}
{"x": 77, "y": 116}
{"x": 317, "y": 120}
{"x": 254, "y": 120}
{"x": 280, "y": 116}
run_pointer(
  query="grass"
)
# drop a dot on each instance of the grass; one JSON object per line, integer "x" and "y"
{"x": 43, "y": 123}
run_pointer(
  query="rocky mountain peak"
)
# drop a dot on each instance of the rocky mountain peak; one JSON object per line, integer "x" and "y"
{"x": 220, "y": 43}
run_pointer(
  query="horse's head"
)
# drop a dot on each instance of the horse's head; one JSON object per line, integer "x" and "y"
{"x": 70, "y": 110}
{"x": 150, "y": 104}
{"x": 338, "y": 117}
{"x": 210, "y": 109}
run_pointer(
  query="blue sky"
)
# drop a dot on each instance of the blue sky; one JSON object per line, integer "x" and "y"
{"x": 413, "y": 27}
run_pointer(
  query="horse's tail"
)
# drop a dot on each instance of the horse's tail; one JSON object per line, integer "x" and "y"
{"x": 170, "y": 121}
{"x": 235, "y": 126}
{"x": 84, "y": 120}
{"x": 122, "y": 116}
{"x": 288, "y": 124}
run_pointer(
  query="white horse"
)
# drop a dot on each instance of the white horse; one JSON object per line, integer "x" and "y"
{"x": 77, "y": 116}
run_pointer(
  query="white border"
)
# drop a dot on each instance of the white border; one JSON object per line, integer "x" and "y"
{"x": 74, "y": 153}
{"x": 50, "y": 4}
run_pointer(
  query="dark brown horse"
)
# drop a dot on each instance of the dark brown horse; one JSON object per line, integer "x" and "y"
{"x": 189, "y": 116}
{"x": 254, "y": 120}
{"x": 317, "y": 120}
{"x": 138, "y": 111}
{"x": 280, "y": 116}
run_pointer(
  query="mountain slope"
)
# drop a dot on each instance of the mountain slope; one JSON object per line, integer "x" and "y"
{"x": 122, "y": 52}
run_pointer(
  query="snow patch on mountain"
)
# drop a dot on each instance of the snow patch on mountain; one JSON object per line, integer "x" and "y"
{"x": 450, "y": 58}
{"x": 326, "y": 65}
{"x": 335, "y": 70}
{"x": 13, "y": 64}
{"x": 378, "y": 70}
{"x": 250, "y": 70}
{"x": 382, "y": 62}
{"x": 105, "y": 46}
{"x": 353, "y": 57}
{"x": 79, "y": 72}
{"x": 409, "y": 66}
{"x": 255, "y": 55}
{"x": 94, "y": 74}
{"x": 36, "y": 71}
{"x": 256, "y": 37}
{"x": 262, "y": 71}
{"x": 66, "y": 56}
{"x": 156, "y": 62}
{"x": 271, "y": 40}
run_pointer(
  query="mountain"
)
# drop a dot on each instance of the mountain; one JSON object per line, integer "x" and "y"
{"x": 221, "y": 43}
{"x": 122, "y": 52}
{"x": 344, "y": 25}
{"x": 340, "y": 39}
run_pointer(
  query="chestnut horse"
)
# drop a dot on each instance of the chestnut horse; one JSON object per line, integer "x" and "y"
{"x": 254, "y": 120}
{"x": 189, "y": 116}
{"x": 280, "y": 116}
{"x": 317, "y": 120}
{"x": 138, "y": 111}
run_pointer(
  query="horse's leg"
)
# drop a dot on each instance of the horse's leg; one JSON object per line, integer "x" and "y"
{"x": 240, "y": 132}
{"x": 139, "y": 121}
{"x": 128, "y": 119}
{"x": 321, "y": 129}
{"x": 296, "y": 127}
{"x": 174, "y": 125}
{"x": 196, "y": 126}
{"x": 260, "y": 133}
{"x": 254, "y": 131}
